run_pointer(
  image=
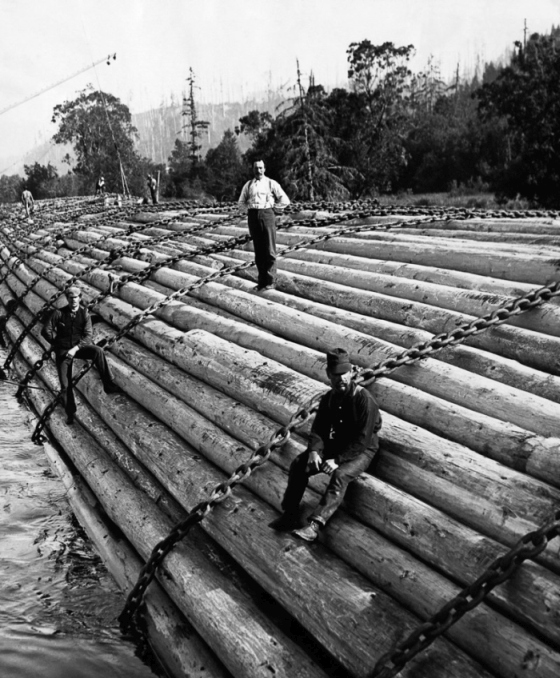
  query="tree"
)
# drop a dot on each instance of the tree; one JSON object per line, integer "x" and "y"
{"x": 225, "y": 170}
{"x": 41, "y": 180}
{"x": 10, "y": 188}
{"x": 525, "y": 98}
{"x": 99, "y": 128}
{"x": 378, "y": 114}
{"x": 311, "y": 168}
{"x": 254, "y": 123}
{"x": 196, "y": 127}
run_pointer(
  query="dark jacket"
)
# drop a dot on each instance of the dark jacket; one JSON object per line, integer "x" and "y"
{"x": 346, "y": 425}
{"x": 64, "y": 332}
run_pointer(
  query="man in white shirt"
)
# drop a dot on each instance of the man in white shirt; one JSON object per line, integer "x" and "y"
{"x": 261, "y": 197}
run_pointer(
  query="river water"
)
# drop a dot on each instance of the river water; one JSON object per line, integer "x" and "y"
{"x": 58, "y": 604}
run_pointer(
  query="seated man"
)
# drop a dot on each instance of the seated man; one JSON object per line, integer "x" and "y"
{"x": 69, "y": 331}
{"x": 342, "y": 444}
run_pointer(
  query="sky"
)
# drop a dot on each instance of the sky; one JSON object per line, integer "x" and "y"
{"x": 236, "y": 48}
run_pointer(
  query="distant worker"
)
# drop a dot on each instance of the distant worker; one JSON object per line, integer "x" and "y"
{"x": 152, "y": 185}
{"x": 100, "y": 186}
{"x": 69, "y": 332}
{"x": 261, "y": 197}
{"x": 342, "y": 444}
{"x": 28, "y": 202}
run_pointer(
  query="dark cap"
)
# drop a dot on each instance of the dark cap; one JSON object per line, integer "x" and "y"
{"x": 338, "y": 361}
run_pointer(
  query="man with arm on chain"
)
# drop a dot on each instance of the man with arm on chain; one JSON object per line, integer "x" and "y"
{"x": 70, "y": 334}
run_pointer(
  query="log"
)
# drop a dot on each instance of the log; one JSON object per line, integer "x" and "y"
{"x": 496, "y": 367}
{"x": 530, "y": 267}
{"x": 265, "y": 385}
{"x": 207, "y": 598}
{"x": 174, "y": 641}
{"x": 463, "y": 388}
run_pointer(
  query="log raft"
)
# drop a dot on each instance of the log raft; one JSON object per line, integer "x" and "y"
{"x": 470, "y": 445}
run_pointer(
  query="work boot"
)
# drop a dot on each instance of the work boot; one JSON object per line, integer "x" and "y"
{"x": 285, "y": 523}
{"x": 310, "y": 532}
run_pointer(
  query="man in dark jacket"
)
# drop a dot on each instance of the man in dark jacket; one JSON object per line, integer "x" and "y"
{"x": 342, "y": 444}
{"x": 69, "y": 331}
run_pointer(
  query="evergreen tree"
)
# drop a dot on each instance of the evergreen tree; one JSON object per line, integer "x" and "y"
{"x": 225, "y": 169}
{"x": 525, "y": 100}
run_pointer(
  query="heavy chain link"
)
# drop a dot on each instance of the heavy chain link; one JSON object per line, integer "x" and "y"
{"x": 105, "y": 264}
{"x": 219, "y": 494}
{"x": 156, "y": 306}
{"x": 529, "y": 546}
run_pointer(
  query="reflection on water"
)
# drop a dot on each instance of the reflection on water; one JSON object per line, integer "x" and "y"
{"x": 58, "y": 604}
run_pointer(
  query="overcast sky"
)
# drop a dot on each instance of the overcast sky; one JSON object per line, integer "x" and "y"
{"x": 235, "y": 47}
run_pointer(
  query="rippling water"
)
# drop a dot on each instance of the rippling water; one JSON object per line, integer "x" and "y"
{"x": 58, "y": 604}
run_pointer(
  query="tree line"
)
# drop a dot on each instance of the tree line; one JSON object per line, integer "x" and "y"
{"x": 391, "y": 130}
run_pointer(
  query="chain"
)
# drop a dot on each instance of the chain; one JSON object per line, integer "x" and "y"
{"x": 156, "y": 306}
{"x": 471, "y": 596}
{"x": 529, "y": 546}
{"x": 196, "y": 514}
{"x": 364, "y": 377}
{"x": 105, "y": 264}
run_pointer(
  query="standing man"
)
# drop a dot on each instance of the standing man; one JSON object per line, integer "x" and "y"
{"x": 70, "y": 334}
{"x": 28, "y": 202}
{"x": 261, "y": 197}
{"x": 342, "y": 444}
{"x": 100, "y": 186}
{"x": 152, "y": 185}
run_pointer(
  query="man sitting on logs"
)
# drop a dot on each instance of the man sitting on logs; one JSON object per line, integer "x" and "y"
{"x": 342, "y": 444}
{"x": 70, "y": 334}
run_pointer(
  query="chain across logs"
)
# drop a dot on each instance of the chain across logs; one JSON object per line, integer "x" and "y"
{"x": 131, "y": 248}
{"x": 529, "y": 546}
{"x": 212, "y": 277}
{"x": 364, "y": 377}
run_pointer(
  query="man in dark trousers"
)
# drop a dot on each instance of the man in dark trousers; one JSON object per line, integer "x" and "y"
{"x": 261, "y": 197}
{"x": 342, "y": 444}
{"x": 100, "y": 186}
{"x": 70, "y": 334}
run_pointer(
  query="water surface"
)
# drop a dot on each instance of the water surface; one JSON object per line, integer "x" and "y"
{"x": 58, "y": 604}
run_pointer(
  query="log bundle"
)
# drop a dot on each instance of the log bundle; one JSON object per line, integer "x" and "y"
{"x": 470, "y": 444}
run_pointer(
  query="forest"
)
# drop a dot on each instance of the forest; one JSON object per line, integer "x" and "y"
{"x": 391, "y": 132}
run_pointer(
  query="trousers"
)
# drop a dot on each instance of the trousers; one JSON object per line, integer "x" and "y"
{"x": 262, "y": 227}
{"x": 64, "y": 369}
{"x": 298, "y": 478}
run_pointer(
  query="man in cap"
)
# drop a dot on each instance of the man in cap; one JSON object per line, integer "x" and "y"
{"x": 342, "y": 444}
{"x": 261, "y": 197}
{"x": 70, "y": 333}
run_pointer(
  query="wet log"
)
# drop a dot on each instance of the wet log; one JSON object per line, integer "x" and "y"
{"x": 174, "y": 641}
{"x": 206, "y": 597}
{"x": 420, "y": 596}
